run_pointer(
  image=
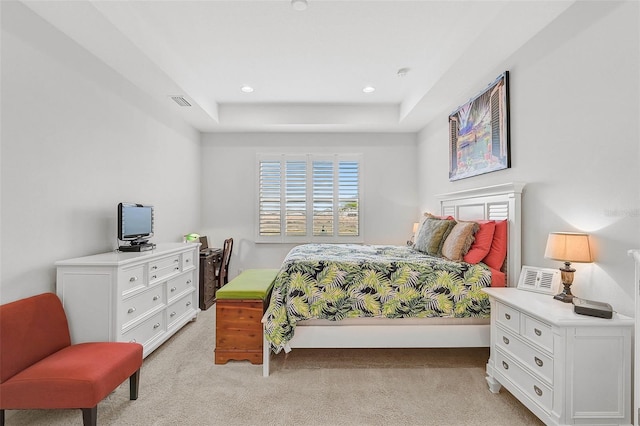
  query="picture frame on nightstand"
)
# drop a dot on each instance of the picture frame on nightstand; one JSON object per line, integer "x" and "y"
{"x": 540, "y": 280}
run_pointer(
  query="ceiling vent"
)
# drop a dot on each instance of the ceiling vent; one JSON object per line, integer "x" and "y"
{"x": 181, "y": 101}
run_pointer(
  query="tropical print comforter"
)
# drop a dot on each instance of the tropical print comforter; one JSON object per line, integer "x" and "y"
{"x": 337, "y": 281}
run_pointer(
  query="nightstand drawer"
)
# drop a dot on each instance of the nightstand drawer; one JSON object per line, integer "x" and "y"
{"x": 530, "y": 385}
{"x": 508, "y": 317}
{"x": 539, "y": 363}
{"x": 537, "y": 332}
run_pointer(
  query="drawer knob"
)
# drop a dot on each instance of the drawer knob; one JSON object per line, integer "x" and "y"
{"x": 187, "y": 260}
{"x": 538, "y": 332}
{"x": 188, "y": 281}
{"x": 173, "y": 289}
{"x": 133, "y": 279}
{"x": 188, "y": 303}
{"x": 505, "y": 340}
{"x": 156, "y": 325}
{"x": 131, "y": 310}
{"x": 175, "y": 260}
{"x": 505, "y": 365}
{"x": 177, "y": 268}
{"x": 156, "y": 298}
{"x": 153, "y": 268}
{"x": 538, "y": 390}
{"x": 538, "y": 361}
{"x": 507, "y": 316}
{"x": 154, "y": 277}
{"x": 133, "y": 341}
{"x": 172, "y": 314}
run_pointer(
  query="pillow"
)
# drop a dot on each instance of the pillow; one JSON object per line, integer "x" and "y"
{"x": 433, "y": 216}
{"x": 459, "y": 240}
{"x": 498, "y": 251}
{"x": 482, "y": 242}
{"x": 431, "y": 235}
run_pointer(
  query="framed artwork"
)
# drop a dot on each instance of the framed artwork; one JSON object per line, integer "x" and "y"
{"x": 479, "y": 133}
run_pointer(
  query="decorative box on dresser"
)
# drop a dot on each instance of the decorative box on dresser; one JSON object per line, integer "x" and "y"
{"x": 210, "y": 261}
{"x": 142, "y": 297}
{"x": 636, "y": 256}
{"x": 566, "y": 368}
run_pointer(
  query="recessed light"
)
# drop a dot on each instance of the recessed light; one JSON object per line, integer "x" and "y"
{"x": 246, "y": 89}
{"x": 299, "y": 4}
{"x": 369, "y": 89}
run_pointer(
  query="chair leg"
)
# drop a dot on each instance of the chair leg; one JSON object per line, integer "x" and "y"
{"x": 134, "y": 384}
{"x": 90, "y": 416}
{"x": 1, "y": 417}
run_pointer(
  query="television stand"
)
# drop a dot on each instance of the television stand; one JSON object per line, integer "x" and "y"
{"x": 135, "y": 247}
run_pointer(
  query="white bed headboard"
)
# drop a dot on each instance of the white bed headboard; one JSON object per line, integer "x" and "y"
{"x": 496, "y": 202}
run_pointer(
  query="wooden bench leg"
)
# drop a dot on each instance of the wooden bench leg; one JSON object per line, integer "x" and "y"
{"x": 90, "y": 416}
{"x": 134, "y": 384}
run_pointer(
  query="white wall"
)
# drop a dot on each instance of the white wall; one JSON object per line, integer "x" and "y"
{"x": 229, "y": 187}
{"x": 574, "y": 141}
{"x": 77, "y": 139}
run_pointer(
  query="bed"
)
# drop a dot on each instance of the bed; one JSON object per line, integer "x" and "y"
{"x": 382, "y": 296}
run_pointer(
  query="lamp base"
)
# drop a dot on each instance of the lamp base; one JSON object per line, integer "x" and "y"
{"x": 564, "y": 297}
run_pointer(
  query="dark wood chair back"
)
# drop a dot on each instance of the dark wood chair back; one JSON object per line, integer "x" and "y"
{"x": 223, "y": 276}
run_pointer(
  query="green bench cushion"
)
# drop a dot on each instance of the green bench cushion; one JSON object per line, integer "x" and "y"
{"x": 250, "y": 284}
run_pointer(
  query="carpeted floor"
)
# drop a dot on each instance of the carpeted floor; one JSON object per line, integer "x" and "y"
{"x": 180, "y": 385}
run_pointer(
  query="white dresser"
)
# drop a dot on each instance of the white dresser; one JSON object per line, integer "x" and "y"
{"x": 566, "y": 368}
{"x": 636, "y": 256}
{"x": 140, "y": 297}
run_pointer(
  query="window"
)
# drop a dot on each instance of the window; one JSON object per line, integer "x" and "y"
{"x": 309, "y": 198}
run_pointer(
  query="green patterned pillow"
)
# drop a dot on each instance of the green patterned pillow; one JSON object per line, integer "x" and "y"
{"x": 432, "y": 234}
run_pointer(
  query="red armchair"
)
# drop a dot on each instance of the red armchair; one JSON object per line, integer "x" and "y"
{"x": 40, "y": 369}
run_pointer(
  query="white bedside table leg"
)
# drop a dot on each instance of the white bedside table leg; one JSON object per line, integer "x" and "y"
{"x": 494, "y": 385}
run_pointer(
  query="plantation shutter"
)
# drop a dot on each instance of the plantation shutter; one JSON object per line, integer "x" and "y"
{"x": 349, "y": 198}
{"x": 323, "y": 189}
{"x": 304, "y": 198}
{"x": 296, "y": 197}
{"x": 269, "y": 204}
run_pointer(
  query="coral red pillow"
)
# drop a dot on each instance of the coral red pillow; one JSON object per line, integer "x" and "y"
{"x": 482, "y": 242}
{"x": 498, "y": 251}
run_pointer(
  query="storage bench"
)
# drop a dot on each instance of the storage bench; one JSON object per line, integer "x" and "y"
{"x": 240, "y": 306}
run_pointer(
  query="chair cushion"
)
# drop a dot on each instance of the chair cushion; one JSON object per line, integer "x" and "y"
{"x": 250, "y": 284}
{"x": 78, "y": 376}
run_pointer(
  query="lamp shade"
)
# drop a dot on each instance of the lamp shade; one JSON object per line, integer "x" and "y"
{"x": 568, "y": 247}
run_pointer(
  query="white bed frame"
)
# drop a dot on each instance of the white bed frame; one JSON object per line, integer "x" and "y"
{"x": 496, "y": 202}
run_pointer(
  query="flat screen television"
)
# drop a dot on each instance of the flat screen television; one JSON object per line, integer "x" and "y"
{"x": 135, "y": 225}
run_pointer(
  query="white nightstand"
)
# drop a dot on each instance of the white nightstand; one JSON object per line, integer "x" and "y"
{"x": 566, "y": 368}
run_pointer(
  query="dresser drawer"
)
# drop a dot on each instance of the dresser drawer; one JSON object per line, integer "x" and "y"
{"x": 147, "y": 330}
{"x": 132, "y": 279}
{"x": 176, "y": 310}
{"x": 177, "y": 286}
{"x": 537, "y": 332}
{"x": 188, "y": 260}
{"x": 162, "y": 268}
{"x": 539, "y": 363}
{"x": 529, "y": 384}
{"x": 134, "y": 307}
{"x": 508, "y": 317}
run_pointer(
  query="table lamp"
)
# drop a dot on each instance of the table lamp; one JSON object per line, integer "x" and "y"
{"x": 413, "y": 236}
{"x": 568, "y": 247}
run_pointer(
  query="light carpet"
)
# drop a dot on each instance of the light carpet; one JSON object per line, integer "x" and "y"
{"x": 180, "y": 385}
